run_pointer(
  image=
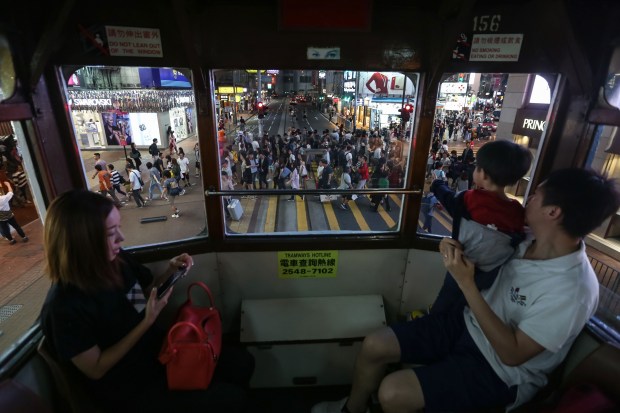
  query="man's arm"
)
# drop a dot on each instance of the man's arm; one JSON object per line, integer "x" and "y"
{"x": 512, "y": 345}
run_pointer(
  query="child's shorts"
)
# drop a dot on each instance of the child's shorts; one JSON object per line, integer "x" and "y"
{"x": 455, "y": 376}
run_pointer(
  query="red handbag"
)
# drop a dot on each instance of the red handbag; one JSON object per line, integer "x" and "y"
{"x": 192, "y": 348}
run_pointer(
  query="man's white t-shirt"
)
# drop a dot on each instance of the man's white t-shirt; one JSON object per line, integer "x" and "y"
{"x": 134, "y": 179}
{"x": 550, "y": 301}
{"x": 183, "y": 164}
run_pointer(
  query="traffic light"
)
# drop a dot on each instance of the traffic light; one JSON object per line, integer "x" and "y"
{"x": 261, "y": 110}
{"x": 409, "y": 108}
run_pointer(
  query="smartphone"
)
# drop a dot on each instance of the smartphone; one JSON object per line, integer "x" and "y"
{"x": 176, "y": 276}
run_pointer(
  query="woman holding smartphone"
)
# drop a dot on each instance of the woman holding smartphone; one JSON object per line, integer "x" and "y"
{"x": 99, "y": 315}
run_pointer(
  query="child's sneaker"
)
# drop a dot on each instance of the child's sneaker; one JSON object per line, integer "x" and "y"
{"x": 25, "y": 239}
{"x": 13, "y": 241}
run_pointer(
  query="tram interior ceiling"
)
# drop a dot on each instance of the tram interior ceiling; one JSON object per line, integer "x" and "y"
{"x": 290, "y": 148}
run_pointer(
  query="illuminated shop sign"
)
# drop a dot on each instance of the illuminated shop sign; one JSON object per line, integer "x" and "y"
{"x": 530, "y": 122}
{"x": 90, "y": 102}
{"x": 453, "y": 87}
{"x": 230, "y": 90}
{"x": 349, "y": 86}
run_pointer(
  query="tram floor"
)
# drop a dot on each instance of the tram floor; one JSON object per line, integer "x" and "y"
{"x": 296, "y": 399}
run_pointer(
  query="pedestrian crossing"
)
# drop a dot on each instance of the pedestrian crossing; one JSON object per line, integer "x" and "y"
{"x": 274, "y": 213}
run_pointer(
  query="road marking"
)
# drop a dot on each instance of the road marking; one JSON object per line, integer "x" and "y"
{"x": 331, "y": 216}
{"x": 444, "y": 222}
{"x": 270, "y": 221}
{"x": 396, "y": 199}
{"x": 359, "y": 218}
{"x": 244, "y": 223}
{"x": 302, "y": 218}
{"x": 386, "y": 217}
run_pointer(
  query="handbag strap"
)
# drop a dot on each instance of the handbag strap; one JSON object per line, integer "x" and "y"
{"x": 192, "y": 327}
{"x": 204, "y": 287}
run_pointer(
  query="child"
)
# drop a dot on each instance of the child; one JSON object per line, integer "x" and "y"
{"x": 429, "y": 202}
{"x": 438, "y": 172}
{"x": 462, "y": 182}
{"x": 485, "y": 220}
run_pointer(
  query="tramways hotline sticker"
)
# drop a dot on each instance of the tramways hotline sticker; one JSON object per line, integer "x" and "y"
{"x": 307, "y": 264}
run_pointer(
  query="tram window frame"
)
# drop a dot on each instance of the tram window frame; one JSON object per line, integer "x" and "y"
{"x": 144, "y": 125}
{"x": 413, "y": 78}
{"x": 524, "y": 82}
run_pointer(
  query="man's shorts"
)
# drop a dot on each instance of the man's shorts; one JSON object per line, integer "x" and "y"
{"x": 455, "y": 376}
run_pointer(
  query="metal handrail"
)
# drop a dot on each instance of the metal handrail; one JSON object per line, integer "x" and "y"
{"x": 214, "y": 192}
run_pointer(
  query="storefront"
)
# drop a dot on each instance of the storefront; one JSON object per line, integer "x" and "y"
{"x": 230, "y": 100}
{"x": 112, "y": 118}
{"x": 527, "y": 131}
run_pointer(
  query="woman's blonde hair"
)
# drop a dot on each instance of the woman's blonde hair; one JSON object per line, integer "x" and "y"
{"x": 76, "y": 247}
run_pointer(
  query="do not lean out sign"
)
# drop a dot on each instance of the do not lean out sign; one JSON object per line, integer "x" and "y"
{"x": 134, "y": 41}
{"x": 495, "y": 48}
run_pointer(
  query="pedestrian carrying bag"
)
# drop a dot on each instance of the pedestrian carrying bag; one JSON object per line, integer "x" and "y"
{"x": 193, "y": 345}
{"x": 139, "y": 179}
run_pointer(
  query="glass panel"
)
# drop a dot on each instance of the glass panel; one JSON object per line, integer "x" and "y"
{"x": 612, "y": 83}
{"x": 139, "y": 123}
{"x": 468, "y": 115}
{"x": 541, "y": 92}
{"x": 7, "y": 70}
{"x": 276, "y": 126}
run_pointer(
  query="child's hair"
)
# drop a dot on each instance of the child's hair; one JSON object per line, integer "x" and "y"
{"x": 505, "y": 162}
{"x": 438, "y": 165}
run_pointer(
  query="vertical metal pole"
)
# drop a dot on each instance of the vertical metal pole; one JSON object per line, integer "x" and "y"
{"x": 402, "y": 106}
{"x": 234, "y": 102}
{"x": 357, "y": 84}
{"x": 259, "y": 97}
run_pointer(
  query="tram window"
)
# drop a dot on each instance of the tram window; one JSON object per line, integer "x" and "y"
{"x": 612, "y": 83}
{"x": 472, "y": 110}
{"x": 116, "y": 114}
{"x": 541, "y": 92}
{"x": 269, "y": 138}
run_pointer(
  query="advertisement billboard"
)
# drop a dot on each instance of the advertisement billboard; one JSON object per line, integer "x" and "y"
{"x": 117, "y": 128}
{"x": 146, "y": 128}
{"x": 384, "y": 84}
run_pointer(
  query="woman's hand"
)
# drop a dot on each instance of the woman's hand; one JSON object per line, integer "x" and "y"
{"x": 154, "y": 305}
{"x": 183, "y": 260}
{"x": 461, "y": 268}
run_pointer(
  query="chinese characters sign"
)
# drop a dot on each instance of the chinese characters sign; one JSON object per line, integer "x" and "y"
{"x": 134, "y": 41}
{"x": 307, "y": 264}
{"x": 496, "y": 48}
